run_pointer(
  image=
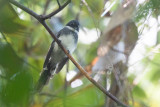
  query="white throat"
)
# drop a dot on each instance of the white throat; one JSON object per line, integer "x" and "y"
{"x": 70, "y": 28}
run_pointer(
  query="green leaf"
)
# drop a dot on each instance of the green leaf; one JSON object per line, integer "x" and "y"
{"x": 139, "y": 92}
{"x": 9, "y": 60}
{"x": 87, "y": 96}
{"x": 8, "y": 18}
{"x": 151, "y": 6}
{"x": 17, "y": 90}
{"x": 154, "y": 70}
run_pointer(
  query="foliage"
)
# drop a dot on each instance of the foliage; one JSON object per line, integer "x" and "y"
{"x": 24, "y": 43}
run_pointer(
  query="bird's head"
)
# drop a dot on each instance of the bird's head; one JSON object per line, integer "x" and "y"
{"x": 74, "y": 24}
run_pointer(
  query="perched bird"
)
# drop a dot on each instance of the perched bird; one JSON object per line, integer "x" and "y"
{"x": 56, "y": 58}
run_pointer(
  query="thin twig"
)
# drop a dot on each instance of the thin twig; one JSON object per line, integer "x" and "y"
{"x": 46, "y": 6}
{"x": 59, "y": 4}
{"x": 118, "y": 51}
{"x": 117, "y": 78}
{"x": 91, "y": 13}
{"x": 48, "y": 94}
{"x": 80, "y": 9}
{"x": 56, "y": 11}
{"x": 42, "y": 21}
{"x": 67, "y": 69}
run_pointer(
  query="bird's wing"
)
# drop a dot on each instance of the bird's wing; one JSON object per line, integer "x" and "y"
{"x": 50, "y": 51}
{"x": 48, "y": 55}
{"x": 61, "y": 64}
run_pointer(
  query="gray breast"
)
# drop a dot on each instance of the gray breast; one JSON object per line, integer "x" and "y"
{"x": 68, "y": 39}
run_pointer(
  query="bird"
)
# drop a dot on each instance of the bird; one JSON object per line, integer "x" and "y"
{"x": 56, "y": 58}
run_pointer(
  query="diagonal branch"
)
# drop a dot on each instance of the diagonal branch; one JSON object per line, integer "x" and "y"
{"x": 56, "y": 11}
{"x": 59, "y": 4}
{"x": 91, "y": 13}
{"x": 82, "y": 69}
{"x": 32, "y": 13}
{"x": 42, "y": 19}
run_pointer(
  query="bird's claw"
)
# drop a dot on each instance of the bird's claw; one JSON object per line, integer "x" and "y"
{"x": 59, "y": 41}
{"x": 68, "y": 51}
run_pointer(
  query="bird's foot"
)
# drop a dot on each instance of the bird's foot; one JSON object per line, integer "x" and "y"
{"x": 68, "y": 51}
{"x": 59, "y": 41}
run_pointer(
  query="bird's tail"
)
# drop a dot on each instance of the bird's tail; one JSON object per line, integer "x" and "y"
{"x": 43, "y": 80}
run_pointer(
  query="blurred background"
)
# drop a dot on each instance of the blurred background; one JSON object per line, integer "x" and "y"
{"x": 119, "y": 46}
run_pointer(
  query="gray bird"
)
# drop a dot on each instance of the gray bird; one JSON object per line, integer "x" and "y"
{"x": 56, "y": 58}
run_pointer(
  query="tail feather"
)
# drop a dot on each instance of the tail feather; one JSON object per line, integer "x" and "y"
{"x": 43, "y": 80}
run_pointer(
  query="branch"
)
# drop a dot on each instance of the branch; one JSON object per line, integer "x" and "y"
{"x": 42, "y": 21}
{"x": 91, "y": 13}
{"x": 46, "y": 6}
{"x": 59, "y": 4}
{"x": 48, "y": 94}
{"x": 80, "y": 9}
{"x": 40, "y": 18}
{"x": 56, "y": 11}
{"x": 32, "y": 13}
